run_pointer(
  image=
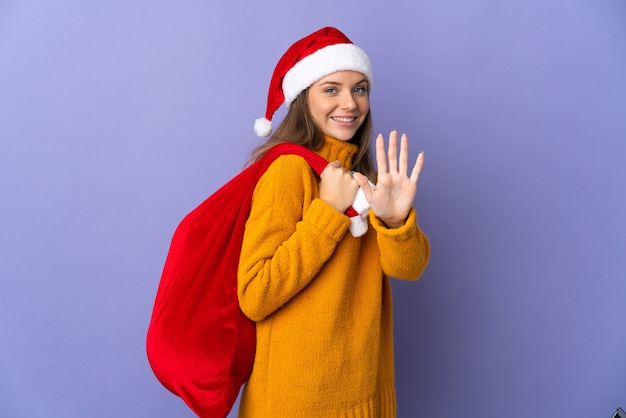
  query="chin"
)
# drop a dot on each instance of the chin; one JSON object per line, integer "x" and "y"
{"x": 342, "y": 136}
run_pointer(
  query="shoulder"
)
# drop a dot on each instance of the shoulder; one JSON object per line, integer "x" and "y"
{"x": 287, "y": 169}
{"x": 287, "y": 182}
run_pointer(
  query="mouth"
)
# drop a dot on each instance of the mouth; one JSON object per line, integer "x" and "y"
{"x": 344, "y": 119}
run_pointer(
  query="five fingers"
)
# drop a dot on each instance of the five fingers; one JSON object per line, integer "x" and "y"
{"x": 391, "y": 163}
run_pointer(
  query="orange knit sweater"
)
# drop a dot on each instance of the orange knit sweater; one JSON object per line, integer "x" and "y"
{"x": 320, "y": 298}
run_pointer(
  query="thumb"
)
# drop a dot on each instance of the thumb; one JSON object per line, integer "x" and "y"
{"x": 334, "y": 164}
{"x": 364, "y": 183}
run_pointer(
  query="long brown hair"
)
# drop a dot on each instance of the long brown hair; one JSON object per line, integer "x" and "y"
{"x": 298, "y": 127}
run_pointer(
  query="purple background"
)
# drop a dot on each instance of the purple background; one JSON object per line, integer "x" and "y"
{"x": 118, "y": 117}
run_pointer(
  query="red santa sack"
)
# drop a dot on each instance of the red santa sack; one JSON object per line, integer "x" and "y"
{"x": 199, "y": 344}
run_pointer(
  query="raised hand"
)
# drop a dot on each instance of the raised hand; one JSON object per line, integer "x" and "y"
{"x": 393, "y": 196}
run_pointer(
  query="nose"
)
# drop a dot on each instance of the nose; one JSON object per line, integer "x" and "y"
{"x": 347, "y": 101}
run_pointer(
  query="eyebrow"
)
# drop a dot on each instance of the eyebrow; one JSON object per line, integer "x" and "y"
{"x": 335, "y": 83}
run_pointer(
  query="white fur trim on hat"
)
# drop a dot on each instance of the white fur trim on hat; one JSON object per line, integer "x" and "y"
{"x": 325, "y": 61}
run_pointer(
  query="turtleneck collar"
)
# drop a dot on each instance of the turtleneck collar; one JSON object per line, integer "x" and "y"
{"x": 334, "y": 149}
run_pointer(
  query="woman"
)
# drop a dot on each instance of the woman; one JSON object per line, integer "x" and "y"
{"x": 318, "y": 293}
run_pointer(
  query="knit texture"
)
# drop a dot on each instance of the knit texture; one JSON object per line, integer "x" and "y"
{"x": 320, "y": 298}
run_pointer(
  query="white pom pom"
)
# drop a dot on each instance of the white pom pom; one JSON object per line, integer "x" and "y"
{"x": 262, "y": 127}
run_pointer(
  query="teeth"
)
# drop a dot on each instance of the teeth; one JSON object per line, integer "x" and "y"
{"x": 344, "y": 119}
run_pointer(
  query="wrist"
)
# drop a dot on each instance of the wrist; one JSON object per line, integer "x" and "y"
{"x": 393, "y": 223}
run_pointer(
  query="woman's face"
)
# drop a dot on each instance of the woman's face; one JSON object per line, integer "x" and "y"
{"x": 339, "y": 103}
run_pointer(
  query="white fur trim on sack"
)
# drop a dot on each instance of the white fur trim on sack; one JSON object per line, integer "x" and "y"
{"x": 359, "y": 224}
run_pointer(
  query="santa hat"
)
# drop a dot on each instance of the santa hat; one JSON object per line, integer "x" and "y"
{"x": 306, "y": 61}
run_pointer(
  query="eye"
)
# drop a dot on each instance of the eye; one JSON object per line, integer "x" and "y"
{"x": 360, "y": 90}
{"x": 330, "y": 90}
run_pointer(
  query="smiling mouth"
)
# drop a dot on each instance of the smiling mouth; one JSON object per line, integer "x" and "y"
{"x": 343, "y": 119}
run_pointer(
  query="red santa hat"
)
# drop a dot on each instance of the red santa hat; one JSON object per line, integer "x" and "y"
{"x": 306, "y": 61}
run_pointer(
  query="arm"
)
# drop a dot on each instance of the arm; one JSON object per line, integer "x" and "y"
{"x": 404, "y": 247}
{"x": 286, "y": 241}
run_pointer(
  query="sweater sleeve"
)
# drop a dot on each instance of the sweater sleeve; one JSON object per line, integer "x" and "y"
{"x": 286, "y": 240}
{"x": 404, "y": 251}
